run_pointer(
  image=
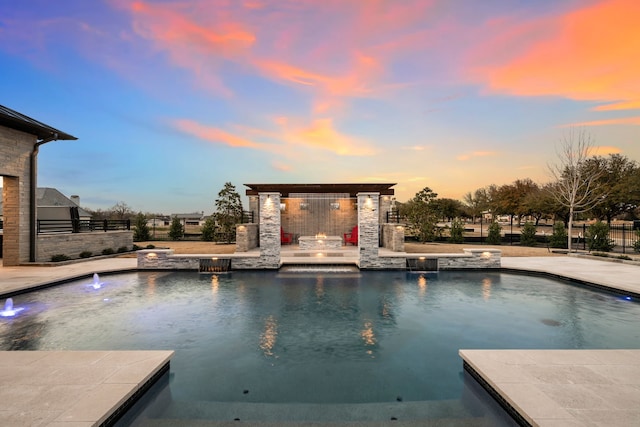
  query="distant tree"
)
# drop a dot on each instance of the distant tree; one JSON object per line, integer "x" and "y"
{"x": 208, "y": 230}
{"x": 575, "y": 185}
{"x": 476, "y": 202}
{"x": 615, "y": 182}
{"x": 228, "y": 211}
{"x": 176, "y": 229}
{"x": 422, "y": 215}
{"x": 448, "y": 209}
{"x": 141, "y": 231}
{"x": 528, "y": 234}
{"x": 121, "y": 211}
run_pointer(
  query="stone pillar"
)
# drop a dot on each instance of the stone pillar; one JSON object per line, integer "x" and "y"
{"x": 254, "y": 202}
{"x": 368, "y": 229}
{"x": 385, "y": 207}
{"x": 269, "y": 230}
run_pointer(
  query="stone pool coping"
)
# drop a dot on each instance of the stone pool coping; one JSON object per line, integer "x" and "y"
{"x": 562, "y": 387}
{"x": 491, "y": 365}
{"x": 73, "y": 388}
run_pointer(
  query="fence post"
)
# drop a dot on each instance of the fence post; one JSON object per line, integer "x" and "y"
{"x": 105, "y": 225}
{"x": 623, "y": 238}
{"x": 128, "y": 224}
{"x": 584, "y": 237}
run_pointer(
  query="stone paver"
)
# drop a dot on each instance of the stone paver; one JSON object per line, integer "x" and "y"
{"x": 564, "y": 387}
{"x": 71, "y": 388}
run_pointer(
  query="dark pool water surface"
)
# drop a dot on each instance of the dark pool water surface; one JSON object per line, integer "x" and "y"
{"x": 275, "y": 337}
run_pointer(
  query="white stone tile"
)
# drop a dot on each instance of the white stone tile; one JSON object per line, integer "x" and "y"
{"x": 573, "y": 396}
{"x": 531, "y": 402}
{"x": 100, "y": 401}
{"x": 563, "y": 374}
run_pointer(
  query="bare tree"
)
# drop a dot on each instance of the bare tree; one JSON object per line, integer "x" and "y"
{"x": 576, "y": 185}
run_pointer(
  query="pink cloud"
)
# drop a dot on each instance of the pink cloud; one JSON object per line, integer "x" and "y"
{"x": 584, "y": 54}
{"x": 215, "y": 135}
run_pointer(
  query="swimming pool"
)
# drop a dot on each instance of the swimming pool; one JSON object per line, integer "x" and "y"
{"x": 360, "y": 338}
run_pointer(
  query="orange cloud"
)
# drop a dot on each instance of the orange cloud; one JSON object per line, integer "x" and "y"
{"x": 464, "y": 157}
{"x": 605, "y": 122}
{"x": 604, "y": 150}
{"x": 215, "y": 135}
{"x": 321, "y": 134}
{"x": 586, "y": 54}
{"x": 629, "y": 105}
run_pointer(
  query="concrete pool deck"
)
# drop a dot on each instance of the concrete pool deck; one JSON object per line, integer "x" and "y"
{"x": 546, "y": 387}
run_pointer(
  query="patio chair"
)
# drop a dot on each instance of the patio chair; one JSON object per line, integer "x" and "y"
{"x": 285, "y": 238}
{"x": 351, "y": 237}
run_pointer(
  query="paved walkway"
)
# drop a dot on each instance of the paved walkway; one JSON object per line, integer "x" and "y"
{"x": 547, "y": 387}
{"x": 616, "y": 275}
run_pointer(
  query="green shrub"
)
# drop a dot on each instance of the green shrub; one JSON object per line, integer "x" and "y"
{"x": 141, "y": 230}
{"x": 598, "y": 237}
{"x": 108, "y": 251}
{"x": 135, "y": 247}
{"x": 59, "y": 258}
{"x": 624, "y": 257}
{"x": 122, "y": 249}
{"x": 208, "y": 230}
{"x": 528, "y": 234}
{"x": 636, "y": 244}
{"x": 150, "y": 247}
{"x": 85, "y": 254}
{"x": 493, "y": 237}
{"x": 559, "y": 236}
{"x": 457, "y": 231}
{"x": 176, "y": 229}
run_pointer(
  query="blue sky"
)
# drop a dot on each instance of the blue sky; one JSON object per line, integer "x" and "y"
{"x": 171, "y": 99}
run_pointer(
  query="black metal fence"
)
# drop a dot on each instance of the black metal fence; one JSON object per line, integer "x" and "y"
{"x": 394, "y": 218}
{"x": 81, "y": 226}
{"x": 247, "y": 217}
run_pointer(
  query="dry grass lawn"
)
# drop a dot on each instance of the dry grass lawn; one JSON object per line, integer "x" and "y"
{"x": 199, "y": 247}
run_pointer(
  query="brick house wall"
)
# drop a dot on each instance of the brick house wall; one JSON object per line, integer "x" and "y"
{"x": 15, "y": 168}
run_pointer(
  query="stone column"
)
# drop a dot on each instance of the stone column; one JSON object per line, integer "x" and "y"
{"x": 385, "y": 207}
{"x": 368, "y": 229}
{"x": 269, "y": 230}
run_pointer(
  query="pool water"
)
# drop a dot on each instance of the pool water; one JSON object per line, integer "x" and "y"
{"x": 319, "y": 338}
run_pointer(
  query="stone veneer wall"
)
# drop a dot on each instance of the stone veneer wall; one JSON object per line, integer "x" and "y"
{"x": 71, "y": 244}
{"x": 163, "y": 259}
{"x": 368, "y": 230}
{"x": 269, "y": 230}
{"x": 246, "y": 237}
{"x": 393, "y": 237}
{"x": 471, "y": 259}
{"x": 15, "y": 167}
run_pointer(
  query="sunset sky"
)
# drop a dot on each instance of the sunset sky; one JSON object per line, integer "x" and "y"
{"x": 171, "y": 99}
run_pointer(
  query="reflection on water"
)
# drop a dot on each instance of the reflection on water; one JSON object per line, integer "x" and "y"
{"x": 268, "y": 336}
{"x": 486, "y": 288}
{"x": 422, "y": 285}
{"x": 319, "y": 338}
